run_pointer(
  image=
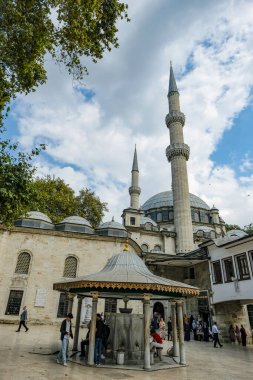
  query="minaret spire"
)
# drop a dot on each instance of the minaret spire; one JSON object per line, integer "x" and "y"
{"x": 134, "y": 189}
{"x": 135, "y": 161}
{"x": 178, "y": 153}
{"x": 172, "y": 82}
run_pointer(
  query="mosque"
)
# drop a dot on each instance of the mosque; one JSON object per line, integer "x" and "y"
{"x": 169, "y": 232}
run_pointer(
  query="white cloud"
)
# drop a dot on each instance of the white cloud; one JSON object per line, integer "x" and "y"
{"x": 92, "y": 142}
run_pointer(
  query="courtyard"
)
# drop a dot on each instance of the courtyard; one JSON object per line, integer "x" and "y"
{"x": 30, "y": 356}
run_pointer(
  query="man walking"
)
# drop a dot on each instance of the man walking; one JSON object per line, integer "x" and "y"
{"x": 23, "y": 319}
{"x": 216, "y": 333}
{"x": 66, "y": 332}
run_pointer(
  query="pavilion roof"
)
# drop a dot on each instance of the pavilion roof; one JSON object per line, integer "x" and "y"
{"x": 126, "y": 272}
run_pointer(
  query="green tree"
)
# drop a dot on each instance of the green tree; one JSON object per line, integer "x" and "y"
{"x": 249, "y": 229}
{"x": 65, "y": 29}
{"x": 16, "y": 181}
{"x": 53, "y": 197}
{"x": 56, "y": 199}
{"x": 89, "y": 206}
{"x": 230, "y": 227}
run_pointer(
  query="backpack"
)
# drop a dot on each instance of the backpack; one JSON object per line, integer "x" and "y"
{"x": 105, "y": 332}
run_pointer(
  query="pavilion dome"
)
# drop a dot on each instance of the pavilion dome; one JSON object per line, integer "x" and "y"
{"x": 126, "y": 270}
{"x": 165, "y": 199}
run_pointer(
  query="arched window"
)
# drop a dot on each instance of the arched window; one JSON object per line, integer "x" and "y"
{"x": 70, "y": 267}
{"x": 23, "y": 263}
{"x": 144, "y": 247}
{"x": 157, "y": 248}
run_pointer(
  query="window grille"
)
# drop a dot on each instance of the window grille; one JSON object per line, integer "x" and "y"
{"x": 157, "y": 248}
{"x": 70, "y": 267}
{"x": 63, "y": 306}
{"x": 14, "y": 302}
{"x": 242, "y": 266}
{"x": 23, "y": 263}
{"x": 110, "y": 305}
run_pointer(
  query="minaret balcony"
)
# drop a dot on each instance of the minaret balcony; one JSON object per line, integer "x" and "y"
{"x": 177, "y": 149}
{"x": 175, "y": 117}
{"x": 134, "y": 190}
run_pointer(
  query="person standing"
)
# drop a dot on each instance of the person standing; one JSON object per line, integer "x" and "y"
{"x": 66, "y": 333}
{"x": 231, "y": 333}
{"x": 98, "y": 339}
{"x": 243, "y": 336}
{"x": 238, "y": 334}
{"x": 23, "y": 319}
{"x": 216, "y": 333}
{"x": 169, "y": 324}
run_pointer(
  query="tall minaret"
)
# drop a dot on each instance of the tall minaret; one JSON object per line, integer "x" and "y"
{"x": 178, "y": 153}
{"x": 134, "y": 189}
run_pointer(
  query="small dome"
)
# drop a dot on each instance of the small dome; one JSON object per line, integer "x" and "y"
{"x": 38, "y": 216}
{"x": 76, "y": 220}
{"x": 112, "y": 224}
{"x": 165, "y": 199}
{"x": 145, "y": 219}
{"x": 236, "y": 233}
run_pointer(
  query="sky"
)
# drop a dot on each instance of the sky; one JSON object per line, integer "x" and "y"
{"x": 91, "y": 129}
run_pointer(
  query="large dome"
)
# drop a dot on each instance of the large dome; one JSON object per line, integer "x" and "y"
{"x": 165, "y": 199}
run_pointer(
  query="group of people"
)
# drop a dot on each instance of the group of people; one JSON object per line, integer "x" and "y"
{"x": 101, "y": 337}
{"x": 199, "y": 328}
{"x": 238, "y": 335}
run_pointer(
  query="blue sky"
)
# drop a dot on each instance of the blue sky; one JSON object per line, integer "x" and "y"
{"x": 236, "y": 143}
{"x": 91, "y": 130}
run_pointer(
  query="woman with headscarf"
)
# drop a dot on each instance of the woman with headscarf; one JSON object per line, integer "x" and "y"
{"x": 243, "y": 336}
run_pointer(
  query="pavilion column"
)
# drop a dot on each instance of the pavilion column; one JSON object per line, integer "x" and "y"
{"x": 181, "y": 332}
{"x": 70, "y": 299}
{"x": 93, "y": 328}
{"x": 174, "y": 328}
{"x": 146, "y": 311}
{"x": 78, "y": 317}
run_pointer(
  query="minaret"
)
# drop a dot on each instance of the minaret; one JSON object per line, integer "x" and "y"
{"x": 178, "y": 153}
{"x": 134, "y": 189}
{"x": 132, "y": 215}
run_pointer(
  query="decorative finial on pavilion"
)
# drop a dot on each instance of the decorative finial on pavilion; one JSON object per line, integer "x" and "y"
{"x": 126, "y": 248}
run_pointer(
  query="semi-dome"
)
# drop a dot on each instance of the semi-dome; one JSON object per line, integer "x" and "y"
{"x": 145, "y": 219}
{"x": 165, "y": 199}
{"x": 76, "y": 220}
{"x": 38, "y": 216}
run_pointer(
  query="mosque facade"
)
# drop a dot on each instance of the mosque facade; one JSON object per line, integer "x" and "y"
{"x": 168, "y": 232}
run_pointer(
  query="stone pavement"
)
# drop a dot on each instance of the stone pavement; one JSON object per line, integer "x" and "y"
{"x": 28, "y": 356}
